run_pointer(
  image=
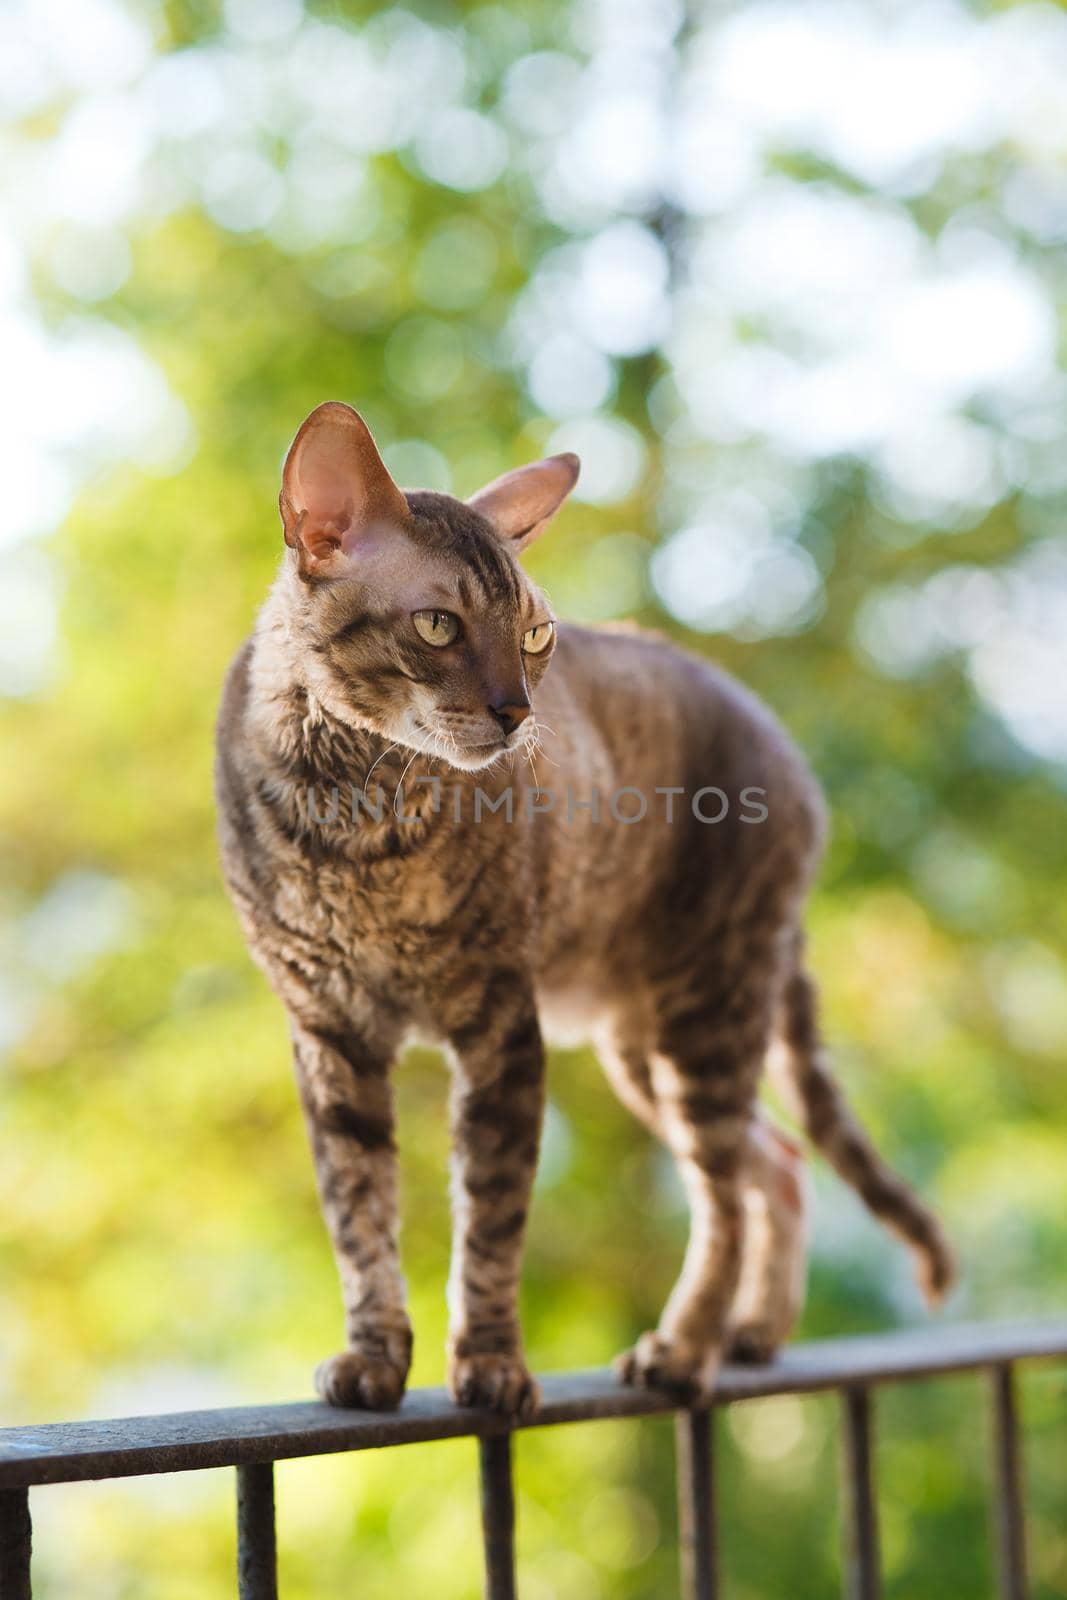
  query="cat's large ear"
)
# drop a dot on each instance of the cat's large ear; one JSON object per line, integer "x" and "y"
{"x": 521, "y": 504}
{"x": 335, "y": 487}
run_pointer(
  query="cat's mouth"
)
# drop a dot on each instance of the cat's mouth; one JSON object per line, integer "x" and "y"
{"x": 470, "y": 757}
{"x": 473, "y": 756}
{"x": 466, "y": 755}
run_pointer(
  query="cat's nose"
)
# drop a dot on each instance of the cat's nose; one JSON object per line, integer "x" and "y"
{"x": 511, "y": 714}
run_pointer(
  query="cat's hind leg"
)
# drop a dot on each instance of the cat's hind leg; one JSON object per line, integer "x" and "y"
{"x": 703, "y": 1074}
{"x": 625, "y": 1061}
{"x": 770, "y": 1291}
{"x": 774, "y": 1192}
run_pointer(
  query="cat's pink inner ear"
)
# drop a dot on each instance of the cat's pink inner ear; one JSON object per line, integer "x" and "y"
{"x": 521, "y": 504}
{"x": 335, "y": 486}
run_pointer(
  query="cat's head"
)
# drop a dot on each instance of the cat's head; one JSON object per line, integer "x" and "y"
{"x": 412, "y": 614}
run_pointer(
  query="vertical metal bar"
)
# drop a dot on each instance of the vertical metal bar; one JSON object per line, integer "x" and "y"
{"x": 15, "y": 1541}
{"x": 257, "y": 1560}
{"x": 863, "y": 1579}
{"x": 1007, "y": 1486}
{"x": 698, "y": 1532}
{"x": 498, "y": 1516}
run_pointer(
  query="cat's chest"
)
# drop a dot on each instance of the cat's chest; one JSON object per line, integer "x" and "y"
{"x": 385, "y": 924}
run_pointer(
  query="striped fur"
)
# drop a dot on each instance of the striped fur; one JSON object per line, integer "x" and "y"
{"x": 674, "y": 943}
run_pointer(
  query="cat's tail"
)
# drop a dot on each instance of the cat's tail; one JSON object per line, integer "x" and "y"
{"x": 800, "y": 1068}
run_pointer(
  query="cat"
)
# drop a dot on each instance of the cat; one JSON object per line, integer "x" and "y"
{"x": 403, "y": 650}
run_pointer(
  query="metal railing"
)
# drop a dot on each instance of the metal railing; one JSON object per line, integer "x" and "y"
{"x": 252, "y": 1438}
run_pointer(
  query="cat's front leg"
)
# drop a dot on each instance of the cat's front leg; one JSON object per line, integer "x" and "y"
{"x": 497, "y": 1108}
{"x": 344, "y": 1086}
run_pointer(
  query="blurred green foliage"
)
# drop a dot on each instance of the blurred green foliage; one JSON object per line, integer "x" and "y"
{"x": 162, "y": 1243}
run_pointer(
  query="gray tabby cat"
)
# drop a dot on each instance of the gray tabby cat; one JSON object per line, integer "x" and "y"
{"x": 403, "y": 641}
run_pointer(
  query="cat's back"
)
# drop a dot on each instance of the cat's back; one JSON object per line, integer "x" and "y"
{"x": 677, "y": 793}
{"x": 661, "y": 710}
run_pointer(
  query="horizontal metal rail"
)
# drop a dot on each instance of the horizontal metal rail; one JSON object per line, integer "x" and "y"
{"x": 182, "y": 1441}
{"x": 251, "y": 1438}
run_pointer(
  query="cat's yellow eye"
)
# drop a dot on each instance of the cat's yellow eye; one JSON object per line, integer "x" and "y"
{"x": 436, "y": 627}
{"x": 536, "y": 639}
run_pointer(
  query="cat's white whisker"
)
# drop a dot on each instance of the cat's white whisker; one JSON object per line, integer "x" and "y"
{"x": 370, "y": 771}
{"x": 535, "y": 746}
{"x": 421, "y": 750}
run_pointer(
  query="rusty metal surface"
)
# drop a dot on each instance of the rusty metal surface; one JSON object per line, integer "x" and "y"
{"x": 182, "y": 1441}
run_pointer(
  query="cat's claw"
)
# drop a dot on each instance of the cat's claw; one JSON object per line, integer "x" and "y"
{"x": 663, "y": 1361}
{"x": 500, "y": 1382}
{"x": 354, "y": 1378}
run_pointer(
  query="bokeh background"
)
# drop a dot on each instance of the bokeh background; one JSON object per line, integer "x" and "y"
{"x": 790, "y": 276}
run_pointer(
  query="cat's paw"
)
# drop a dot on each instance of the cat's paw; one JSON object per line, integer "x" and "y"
{"x": 667, "y": 1361}
{"x": 371, "y": 1375}
{"x": 498, "y": 1380}
{"x": 753, "y": 1344}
